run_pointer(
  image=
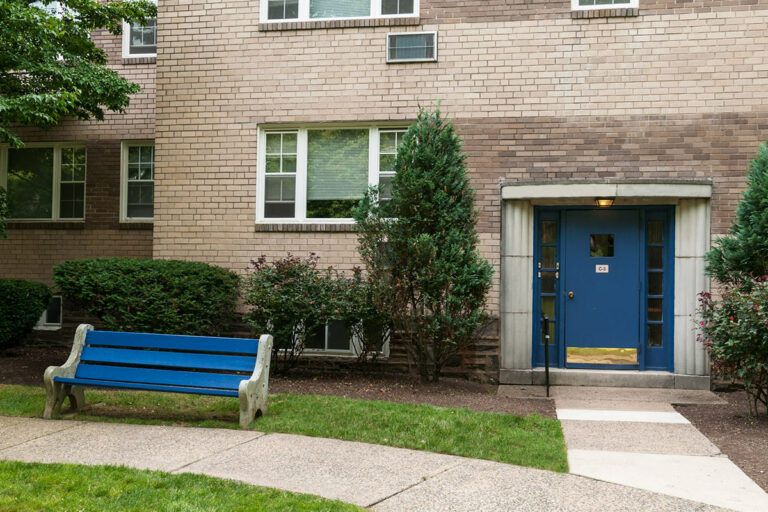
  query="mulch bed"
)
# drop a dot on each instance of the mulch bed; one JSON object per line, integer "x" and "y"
{"x": 743, "y": 439}
{"x": 26, "y": 365}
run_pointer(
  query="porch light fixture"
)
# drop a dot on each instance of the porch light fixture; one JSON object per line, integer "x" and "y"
{"x": 604, "y": 202}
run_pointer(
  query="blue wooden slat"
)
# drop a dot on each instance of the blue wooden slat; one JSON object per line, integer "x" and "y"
{"x": 172, "y": 342}
{"x": 169, "y": 359}
{"x": 166, "y": 377}
{"x": 151, "y": 387}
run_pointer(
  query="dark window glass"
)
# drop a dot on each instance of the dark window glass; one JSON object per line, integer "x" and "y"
{"x": 655, "y": 232}
{"x": 547, "y": 282}
{"x": 338, "y": 335}
{"x": 548, "y": 232}
{"x": 655, "y": 283}
{"x": 53, "y": 312}
{"x": 316, "y": 338}
{"x": 655, "y": 257}
{"x": 601, "y": 246}
{"x": 548, "y": 257}
{"x": 655, "y": 309}
{"x": 655, "y": 335}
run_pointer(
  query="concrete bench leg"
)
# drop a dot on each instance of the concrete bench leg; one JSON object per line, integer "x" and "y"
{"x": 54, "y": 398}
{"x": 56, "y": 393}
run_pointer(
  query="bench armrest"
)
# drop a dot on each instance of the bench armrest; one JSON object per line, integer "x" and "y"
{"x": 55, "y": 394}
{"x": 69, "y": 368}
{"x": 253, "y": 392}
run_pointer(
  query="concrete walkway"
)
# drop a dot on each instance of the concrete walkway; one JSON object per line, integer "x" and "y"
{"x": 378, "y": 477}
{"x": 635, "y": 437}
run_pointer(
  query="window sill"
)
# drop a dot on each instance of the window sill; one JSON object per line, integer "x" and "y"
{"x": 305, "y": 228}
{"x": 340, "y": 23}
{"x": 47, "y": 328}
{"x": 130, "y": 61}
{"x": 45, "y": 224}
{"x": 606, "y": 13}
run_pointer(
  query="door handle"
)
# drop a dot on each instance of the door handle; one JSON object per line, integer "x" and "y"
{"x": 570, "y": 295}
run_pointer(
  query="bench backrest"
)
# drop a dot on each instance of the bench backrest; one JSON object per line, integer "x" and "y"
{"x": 173, "y": 360}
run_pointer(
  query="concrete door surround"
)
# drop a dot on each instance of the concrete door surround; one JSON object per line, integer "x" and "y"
{"x": 691, "y": 200}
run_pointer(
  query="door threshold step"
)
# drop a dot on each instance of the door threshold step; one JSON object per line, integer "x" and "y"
{"x": 605, "y": 378}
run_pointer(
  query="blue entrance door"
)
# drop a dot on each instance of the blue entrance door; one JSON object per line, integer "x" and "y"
{"x": 602, "y": 287}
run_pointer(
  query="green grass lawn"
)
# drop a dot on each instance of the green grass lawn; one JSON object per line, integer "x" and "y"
{"x": 67, "y": 487}
{"x": 530, "y": 441}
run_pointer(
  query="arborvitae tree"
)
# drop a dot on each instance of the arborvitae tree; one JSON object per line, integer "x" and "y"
{"x": 420, "y": 248}
{"x": 743, "y": 256}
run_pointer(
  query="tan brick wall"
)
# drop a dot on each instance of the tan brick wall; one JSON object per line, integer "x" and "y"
{"x": 32, "y": 249}
{"x": 678, "y": 91}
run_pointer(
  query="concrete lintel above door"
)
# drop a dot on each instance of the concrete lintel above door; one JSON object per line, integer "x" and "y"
{"x": 557, "y": 192}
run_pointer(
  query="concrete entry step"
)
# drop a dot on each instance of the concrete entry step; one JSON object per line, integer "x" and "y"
{"x": 605, "y": 378}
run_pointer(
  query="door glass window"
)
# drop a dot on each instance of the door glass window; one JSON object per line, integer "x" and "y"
{"x": 548, "y": 275}
{"x": 601, "y": 245}
{"x": 655, "y": 312}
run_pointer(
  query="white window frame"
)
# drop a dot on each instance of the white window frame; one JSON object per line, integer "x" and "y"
{"x": 124, "y": 147}
{"x": 44, "y": 325}
{"x": 304, "y": 13}
{"x": 633, "y": 4}
{"x": 56, "y": 195}
{"x": 300, "y": 212}
{"x": 420, "y": 32}
{"x": 127, "y": 42}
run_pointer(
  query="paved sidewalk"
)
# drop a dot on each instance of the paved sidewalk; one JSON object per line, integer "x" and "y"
{"x": 378, "y": 477}
{"x": 635, "y": 437}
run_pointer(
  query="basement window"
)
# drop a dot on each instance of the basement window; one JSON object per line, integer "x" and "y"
{"x": 50, "y": 320}
{"x": 584, "y": 5}
{"x": 412, "y": 47}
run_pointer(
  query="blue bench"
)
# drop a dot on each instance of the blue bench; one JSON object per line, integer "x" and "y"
{"x": 162, "y": 362}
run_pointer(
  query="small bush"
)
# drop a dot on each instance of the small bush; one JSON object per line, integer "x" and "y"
{"x": 20, "y": 308}
{"x": 734, "y": 329}
{"x": 289, "y": 299}
{"x": 144, "y": 295}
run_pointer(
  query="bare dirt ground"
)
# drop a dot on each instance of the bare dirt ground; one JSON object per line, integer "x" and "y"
{"x": 742, "y": 438}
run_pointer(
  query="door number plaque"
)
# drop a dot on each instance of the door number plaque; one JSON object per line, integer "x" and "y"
{"x": 601, "y": 269}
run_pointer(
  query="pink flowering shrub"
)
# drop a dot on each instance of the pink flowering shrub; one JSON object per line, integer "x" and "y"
{"x": 734, "y": 329}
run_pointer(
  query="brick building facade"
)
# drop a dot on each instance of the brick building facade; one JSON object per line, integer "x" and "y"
{"x": 666, "y": 96}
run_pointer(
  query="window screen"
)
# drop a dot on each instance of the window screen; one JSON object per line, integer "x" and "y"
{"x": 339, "y": 8}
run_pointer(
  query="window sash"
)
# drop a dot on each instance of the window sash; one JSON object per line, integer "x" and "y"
{"x": 148, "y": 45}
{"x": 132, "y": 180}
{"x": 73, "y": 184}
{"x": 307, "y": 13}
{"x": 301, "y": 191}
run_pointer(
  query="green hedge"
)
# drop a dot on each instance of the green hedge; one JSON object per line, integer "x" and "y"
{"x": 20, "y": 308}
{"x": 145, "y": 295}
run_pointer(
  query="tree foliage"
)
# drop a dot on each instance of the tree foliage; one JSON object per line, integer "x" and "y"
{"x": 50, "y": 66}
{"x": 742, "y": 257}
{"x": 420, "y": 248}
